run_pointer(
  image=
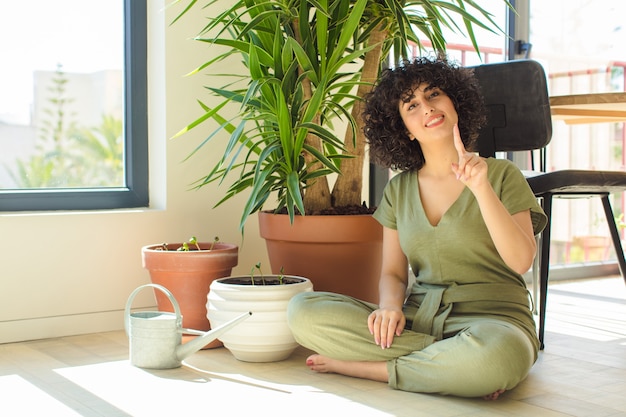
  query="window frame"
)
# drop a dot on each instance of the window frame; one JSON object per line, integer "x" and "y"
{"x": 135, "y": 193}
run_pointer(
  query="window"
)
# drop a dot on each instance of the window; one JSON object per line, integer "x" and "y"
{"x": 581, "y": 46}
{"x": 73, "y": 105}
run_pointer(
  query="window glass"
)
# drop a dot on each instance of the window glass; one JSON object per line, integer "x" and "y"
{"x": 580, "y": 43}
{"x": 74, "y": 72}
{"x": 491, "y": 44}
{"x": 62, "y": 94}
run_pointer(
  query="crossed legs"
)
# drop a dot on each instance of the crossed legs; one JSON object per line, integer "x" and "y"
{"x": 481, "y": 358}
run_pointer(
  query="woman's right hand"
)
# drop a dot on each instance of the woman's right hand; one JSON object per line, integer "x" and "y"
{"x": 384, "y": 324}
{"x": 388, "y": 320}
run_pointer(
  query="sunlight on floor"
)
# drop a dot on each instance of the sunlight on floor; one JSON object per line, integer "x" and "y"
{"x": 580, "y": 373}
{"x": 137, "y": 392}
{"x": 27, "y": 399}
{"x": 594, "y": 312}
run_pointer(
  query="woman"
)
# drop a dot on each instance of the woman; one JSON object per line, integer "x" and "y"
{"x": 466, "y": 227}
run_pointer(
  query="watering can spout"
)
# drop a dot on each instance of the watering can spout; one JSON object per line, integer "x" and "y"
{"x": 194, "y": 345}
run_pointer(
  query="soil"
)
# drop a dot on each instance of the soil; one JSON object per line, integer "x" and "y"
{"x": 339, "y": 211}
{"x": 259, "y": 281}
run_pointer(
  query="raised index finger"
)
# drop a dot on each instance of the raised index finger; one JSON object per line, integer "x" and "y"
{"x": 458, "y": 143}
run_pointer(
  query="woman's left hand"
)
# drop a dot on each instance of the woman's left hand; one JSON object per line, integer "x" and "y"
{"x": 471, "y": 168}
{"x": 384, "y": 324}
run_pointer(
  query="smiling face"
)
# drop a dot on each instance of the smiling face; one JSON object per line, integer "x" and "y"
{"x": 428, "y": 114}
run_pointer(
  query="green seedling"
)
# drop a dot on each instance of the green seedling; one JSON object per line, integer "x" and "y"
{"x": 257, "y": 266}
{"x": 192, "y": 241}
{"x": 187, "y": 246}
{"x": 263, "y": 282}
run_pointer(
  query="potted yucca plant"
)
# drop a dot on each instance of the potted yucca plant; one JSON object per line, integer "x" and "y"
{"x": 305, "y": 66}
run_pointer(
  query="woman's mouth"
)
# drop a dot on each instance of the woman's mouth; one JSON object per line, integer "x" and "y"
{"x": 434, "y": 121}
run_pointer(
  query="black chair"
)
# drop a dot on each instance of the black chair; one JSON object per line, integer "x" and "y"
{"x": 519, "y": 119}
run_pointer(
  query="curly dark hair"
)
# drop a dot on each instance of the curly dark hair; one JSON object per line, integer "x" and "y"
{"x": 389, "y": 144}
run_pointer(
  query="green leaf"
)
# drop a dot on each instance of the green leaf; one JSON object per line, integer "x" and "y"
{"x": 287, "y": 46}
{"x": 293, "y": 190}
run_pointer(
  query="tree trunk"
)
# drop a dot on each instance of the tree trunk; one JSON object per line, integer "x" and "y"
{"x": 317, "y": 192}
{"x": 347, "y": 189}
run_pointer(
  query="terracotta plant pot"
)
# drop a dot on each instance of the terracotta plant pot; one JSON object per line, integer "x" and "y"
{"x": 188, "y": 276}
{"x": 265, "y": 336}
{"x": 338, "y": 253}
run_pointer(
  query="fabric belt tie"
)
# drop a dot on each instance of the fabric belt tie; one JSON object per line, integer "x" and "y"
{"x": 439, "y": 299}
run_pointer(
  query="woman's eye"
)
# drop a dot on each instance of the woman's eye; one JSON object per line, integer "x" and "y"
{"x": 434, "y": 94}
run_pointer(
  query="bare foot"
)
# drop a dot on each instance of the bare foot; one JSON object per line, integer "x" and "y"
{"x": 494, "y": 395}
{"x": 376, "y": 371}
{"x": 319, "y": 363}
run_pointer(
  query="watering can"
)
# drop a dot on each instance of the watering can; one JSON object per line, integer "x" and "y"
{"x": 156, "y": 336}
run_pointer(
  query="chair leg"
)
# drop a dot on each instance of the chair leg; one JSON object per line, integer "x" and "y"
{"x": 536, "y": 263}
{"x": 544, "y": 267}
{"x": 617, "y": 244}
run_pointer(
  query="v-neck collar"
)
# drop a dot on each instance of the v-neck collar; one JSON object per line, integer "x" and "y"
{"x": 446, "y": 213}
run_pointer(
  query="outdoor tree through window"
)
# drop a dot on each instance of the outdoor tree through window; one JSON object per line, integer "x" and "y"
{"x": 65, "y": 93}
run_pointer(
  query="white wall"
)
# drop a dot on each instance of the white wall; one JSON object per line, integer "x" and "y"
{"x": 66, "y": 273}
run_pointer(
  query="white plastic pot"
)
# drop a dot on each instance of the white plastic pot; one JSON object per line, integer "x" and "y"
{"x": 265, "y": 336}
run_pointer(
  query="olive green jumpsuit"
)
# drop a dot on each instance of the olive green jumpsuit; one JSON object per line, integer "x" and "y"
{"x": 470, "y": 330}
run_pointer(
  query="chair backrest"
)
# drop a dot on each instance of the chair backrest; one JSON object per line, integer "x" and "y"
{"x": 516, "y": 95}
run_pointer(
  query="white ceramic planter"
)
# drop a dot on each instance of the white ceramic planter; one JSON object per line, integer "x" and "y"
{"x": 265, "y": 336}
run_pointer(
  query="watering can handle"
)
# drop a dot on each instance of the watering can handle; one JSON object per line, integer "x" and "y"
{"x": 170, "y": 296}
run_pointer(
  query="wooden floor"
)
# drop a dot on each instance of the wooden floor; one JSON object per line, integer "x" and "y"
{"x": 581, "y": 372}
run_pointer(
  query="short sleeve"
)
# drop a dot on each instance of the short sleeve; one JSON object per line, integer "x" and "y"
{"x": 516, "y": 195}
{"x": 385, "y": 214}
{"x": 390, "y": 204}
